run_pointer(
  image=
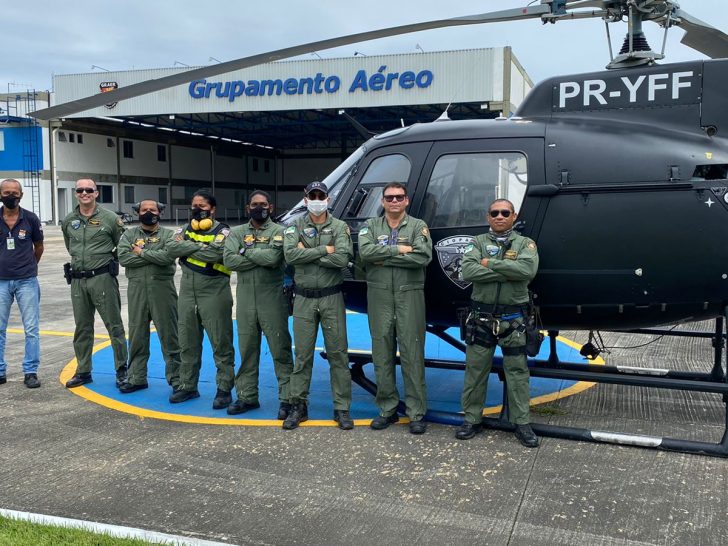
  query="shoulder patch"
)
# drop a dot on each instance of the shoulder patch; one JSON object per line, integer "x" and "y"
{"x": 469, "y": 248}
{"x": 277, "y": 238}
{"x": 225, "y": 232}
{"x": 425, "y": 231}
{"x": 119, "y": 222}
{"x": 363, "y": 231}
{"x": 531, "y": 245}
{"x": 290, "y": 230}
{"x": 347, "y": 229}
{"x": 179, "y": 230}
{"x": 220, "y": 237}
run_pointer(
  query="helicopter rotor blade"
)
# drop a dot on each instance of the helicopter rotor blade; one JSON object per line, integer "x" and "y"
{"x": 702, "y": 37}
{"x": 158, "y": 84}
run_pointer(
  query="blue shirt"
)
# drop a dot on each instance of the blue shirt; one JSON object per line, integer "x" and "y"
{"x": 17, "y": 252}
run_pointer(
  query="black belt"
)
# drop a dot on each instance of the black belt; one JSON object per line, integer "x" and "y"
{"x": 91, "y": 272}
{"x": 497, "y": 310}
{"x": 317, "y": 293}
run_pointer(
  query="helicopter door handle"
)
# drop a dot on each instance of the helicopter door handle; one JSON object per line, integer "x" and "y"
{"x": 543, "y": 190}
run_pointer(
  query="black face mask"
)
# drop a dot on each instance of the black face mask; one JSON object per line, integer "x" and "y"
{"x": 149, "y": 218}
{"x": 259, "y": 214}
{"x": 10, "y": 201}
{"x": 199, "y": 214}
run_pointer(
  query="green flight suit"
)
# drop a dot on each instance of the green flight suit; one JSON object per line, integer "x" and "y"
{"x": 261, "y": 305}
{"x": 315, "y": 270}
{"x": 205, "y": 304}
{"x": 396, "y": 309}
{"x": 151, "y": 296}
{"x": 91, "y": 242}
{"x": 511, "y": 266}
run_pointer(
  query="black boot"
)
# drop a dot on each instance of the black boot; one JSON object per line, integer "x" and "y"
{"x": 468, "y": 430}
{"x": 120, "y": 376}
{"x": 298, "y": 414}
{"x": 222, "y": 399}
{"x": 283, "y": 410}
{"x": 526, "y": 436}
{"x": 78, "y": 380}
{"x": 344, "y": 419}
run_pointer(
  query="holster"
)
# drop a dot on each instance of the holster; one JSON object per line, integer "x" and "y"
{"x": 534, "y": 337}
{"x": 290, "y": 295}
{"x": 114, "y": 268}
{"x": 67, "y": 272}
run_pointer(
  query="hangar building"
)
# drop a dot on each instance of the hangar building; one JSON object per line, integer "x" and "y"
{"x": 275, "y": 127}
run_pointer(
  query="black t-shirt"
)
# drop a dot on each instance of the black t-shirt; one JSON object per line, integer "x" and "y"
{"x": 17, "y": 256}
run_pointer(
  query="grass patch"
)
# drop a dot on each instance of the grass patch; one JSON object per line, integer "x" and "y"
{"x": 547, "y": 409}
{"x": 15, "y": 532}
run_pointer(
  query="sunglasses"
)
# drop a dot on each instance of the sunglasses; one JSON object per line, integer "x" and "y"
{"x": 85, "y": 190}
{"x": 505, "y": 213}
{"x": 399, "y": 198}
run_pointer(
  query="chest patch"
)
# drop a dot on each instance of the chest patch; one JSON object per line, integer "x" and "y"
{"x": 309, "y": 232}
{"x": 94, "y": 222}
{"x": 492, "y": 250}
{"x": 75, "y": 224}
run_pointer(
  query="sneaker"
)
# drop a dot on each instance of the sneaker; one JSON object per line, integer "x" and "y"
{"x": 182, "y": 396}
{"x": 31, "y": 381}
{"x": 222, "y": 399}
{"x": 468, "y": 430}
{"x": 239, "y": 406}
{"x": 78, "y": 380}
{"x": 526, "y": 436}
{"x": 344, "y": 419}
{"x": 298, "y": 414}
{"x": 418, "y": 427}
{"x": 381, "y": 422}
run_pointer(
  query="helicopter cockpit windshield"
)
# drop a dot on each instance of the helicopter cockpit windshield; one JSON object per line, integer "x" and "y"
{"x": 463, "y": 185}
{"x": 335, "y": 182}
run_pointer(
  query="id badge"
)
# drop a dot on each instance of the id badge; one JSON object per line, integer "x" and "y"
{"x": 10, "y": 243}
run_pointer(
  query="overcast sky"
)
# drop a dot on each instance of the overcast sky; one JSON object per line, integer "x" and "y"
{"x": 44, "y": 37}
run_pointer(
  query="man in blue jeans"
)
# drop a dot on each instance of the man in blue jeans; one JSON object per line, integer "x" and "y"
{"x": 20, "y": 250}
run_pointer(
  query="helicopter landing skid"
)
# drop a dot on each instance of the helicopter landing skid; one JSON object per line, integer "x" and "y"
{"x": 712, "y": 382}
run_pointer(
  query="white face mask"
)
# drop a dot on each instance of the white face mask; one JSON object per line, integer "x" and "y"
{"x": 317, "y": 207}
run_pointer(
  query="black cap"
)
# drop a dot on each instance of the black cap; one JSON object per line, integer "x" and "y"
{"x": 316, "y": 185}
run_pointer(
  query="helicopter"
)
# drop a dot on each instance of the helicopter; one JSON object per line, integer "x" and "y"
{"x": 606, "y": 170}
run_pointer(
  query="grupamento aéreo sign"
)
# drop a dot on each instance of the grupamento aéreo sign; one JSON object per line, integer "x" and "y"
{"x": 363, "y": 82}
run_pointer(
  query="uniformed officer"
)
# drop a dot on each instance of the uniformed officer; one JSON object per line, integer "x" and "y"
{"x": 255, "y": 251}
{"x": 500, "y": 264}
{"x": 151, "y": 295}
{"x": 319, "y": 247}
{"x": 396, "y": 249}
{"x": 91, "y": 234}
{"x": 205, "y": 301}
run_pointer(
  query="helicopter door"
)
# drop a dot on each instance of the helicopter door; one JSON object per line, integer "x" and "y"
{"x": 390, "y": 164}
{"x": 460, "y": 179}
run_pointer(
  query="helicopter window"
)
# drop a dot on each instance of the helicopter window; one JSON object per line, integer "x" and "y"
{"x": 463, "y": 185}
{"x": 714, "y": 171}
{"x": 366, "y": 200}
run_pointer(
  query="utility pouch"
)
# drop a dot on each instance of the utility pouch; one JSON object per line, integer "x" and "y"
{"x": 478, "y": 331}
{"x": 114, "y": 268}
{"x": 290, "y": 295}
{"x": 67, "y": 272}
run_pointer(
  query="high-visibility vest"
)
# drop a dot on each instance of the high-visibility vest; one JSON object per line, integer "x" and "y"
{"x": 205, "y": 268}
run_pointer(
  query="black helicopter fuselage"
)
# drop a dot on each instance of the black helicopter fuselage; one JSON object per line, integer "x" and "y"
{"x": 619, "y": 176}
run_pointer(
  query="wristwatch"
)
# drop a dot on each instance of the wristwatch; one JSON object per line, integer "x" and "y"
{"x": 242, "y": 251}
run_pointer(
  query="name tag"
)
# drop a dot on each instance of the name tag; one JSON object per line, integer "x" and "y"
{"x": 10, "y": 243}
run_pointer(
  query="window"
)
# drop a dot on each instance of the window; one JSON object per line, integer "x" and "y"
{"x": 129, "y": 149}
{"x": 106, "y": 194}
{"x": 109, "y": 142}
{"x": 366, "y": 201}
{"x": 79, "y": 138}
{"x": 61, "y": 136}
{"x": 163, "y": 195}
{"x": 129, "y": 194}
{"x": 161, "y": 152}
{"x": 71, "y": 137}
{"x": 266, "y": 166}
{"x": 255, "y": 164}
{"x": 463, "y": 185}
